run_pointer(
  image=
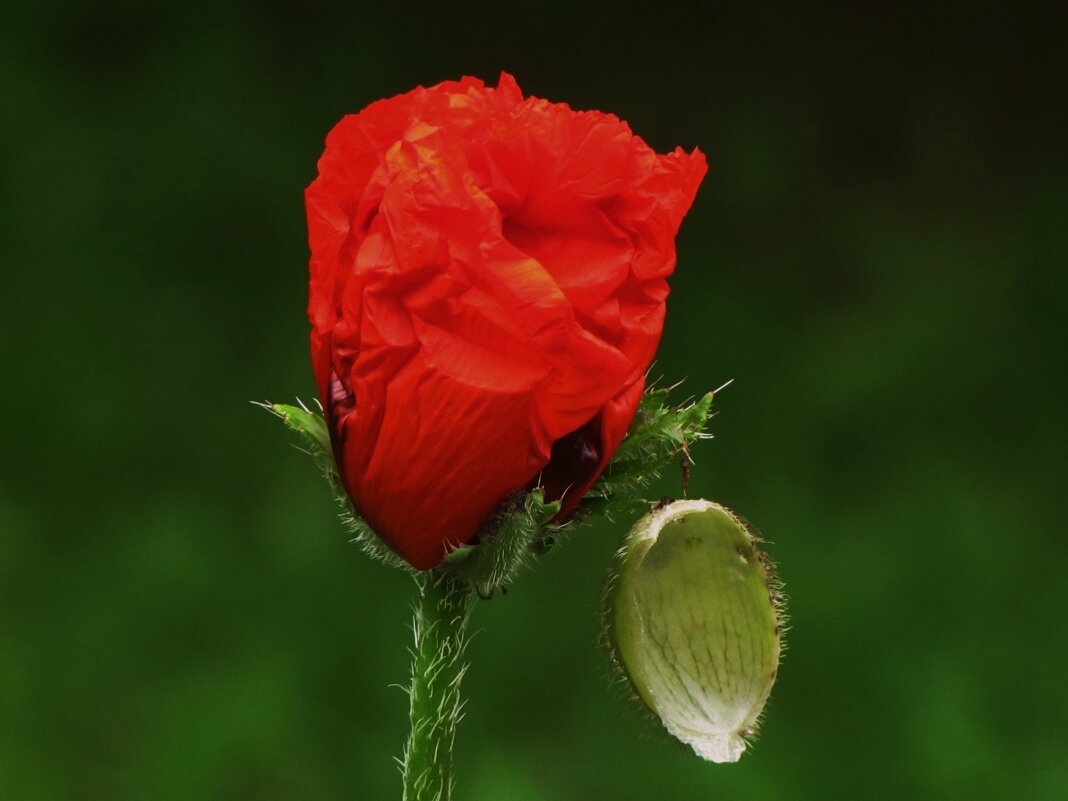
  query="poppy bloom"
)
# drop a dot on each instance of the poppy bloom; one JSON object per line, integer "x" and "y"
{"x": 487, "y": 291}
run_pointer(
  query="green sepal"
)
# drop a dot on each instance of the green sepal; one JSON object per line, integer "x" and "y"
{"x": 659, "y": 434}
{"x": 505, "y": 544}
{"x": 524, "y": 524}
{"x": 312, "y": 429}
{"x": 459, "y": 554}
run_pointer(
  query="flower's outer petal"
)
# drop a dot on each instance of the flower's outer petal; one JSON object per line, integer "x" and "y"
{"x": 600, "y": 210}
{"x": 463, "y": 358}
{"x": 487, "y": 290}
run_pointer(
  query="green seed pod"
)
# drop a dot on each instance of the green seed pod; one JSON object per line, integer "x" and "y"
{"x": 693, "y": 616}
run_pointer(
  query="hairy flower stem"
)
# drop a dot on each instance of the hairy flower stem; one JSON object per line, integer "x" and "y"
{"x": 438, "y": 667}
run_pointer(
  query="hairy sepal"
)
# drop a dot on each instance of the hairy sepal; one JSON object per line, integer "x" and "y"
{"x": 311, "y": 427}
{"x": 525, "y": 525}
{"x": 505, "y": 545}
{"x": 660, "y": 434}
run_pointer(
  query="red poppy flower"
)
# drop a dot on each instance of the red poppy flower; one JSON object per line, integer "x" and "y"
{"x": 487, "y": 291}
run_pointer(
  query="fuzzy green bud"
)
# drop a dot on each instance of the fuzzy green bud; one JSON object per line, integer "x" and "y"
{"x": 693, "y": 616}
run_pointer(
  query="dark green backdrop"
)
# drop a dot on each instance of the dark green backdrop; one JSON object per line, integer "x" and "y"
{"x": 876, "y": 258}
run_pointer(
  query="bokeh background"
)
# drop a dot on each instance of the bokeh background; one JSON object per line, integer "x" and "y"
{"x": 877, "y": 259}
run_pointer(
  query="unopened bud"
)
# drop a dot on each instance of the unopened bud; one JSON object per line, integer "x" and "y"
{"x": 694, "y": 621}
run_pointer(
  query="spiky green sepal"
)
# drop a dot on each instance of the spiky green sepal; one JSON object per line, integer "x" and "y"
{"x": 660, "y": 434}
{"x": 525, "y": 524}
{"x": 505, "y": 544}
{"x": 311, "y": 427}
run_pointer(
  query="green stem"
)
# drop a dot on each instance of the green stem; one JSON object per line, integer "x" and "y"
{"x": 438, "y": 667}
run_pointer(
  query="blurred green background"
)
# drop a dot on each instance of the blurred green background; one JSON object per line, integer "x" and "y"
{"x": 877, "y": 259}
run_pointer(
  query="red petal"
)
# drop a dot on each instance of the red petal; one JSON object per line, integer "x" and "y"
{"x": 487, "y": 278}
